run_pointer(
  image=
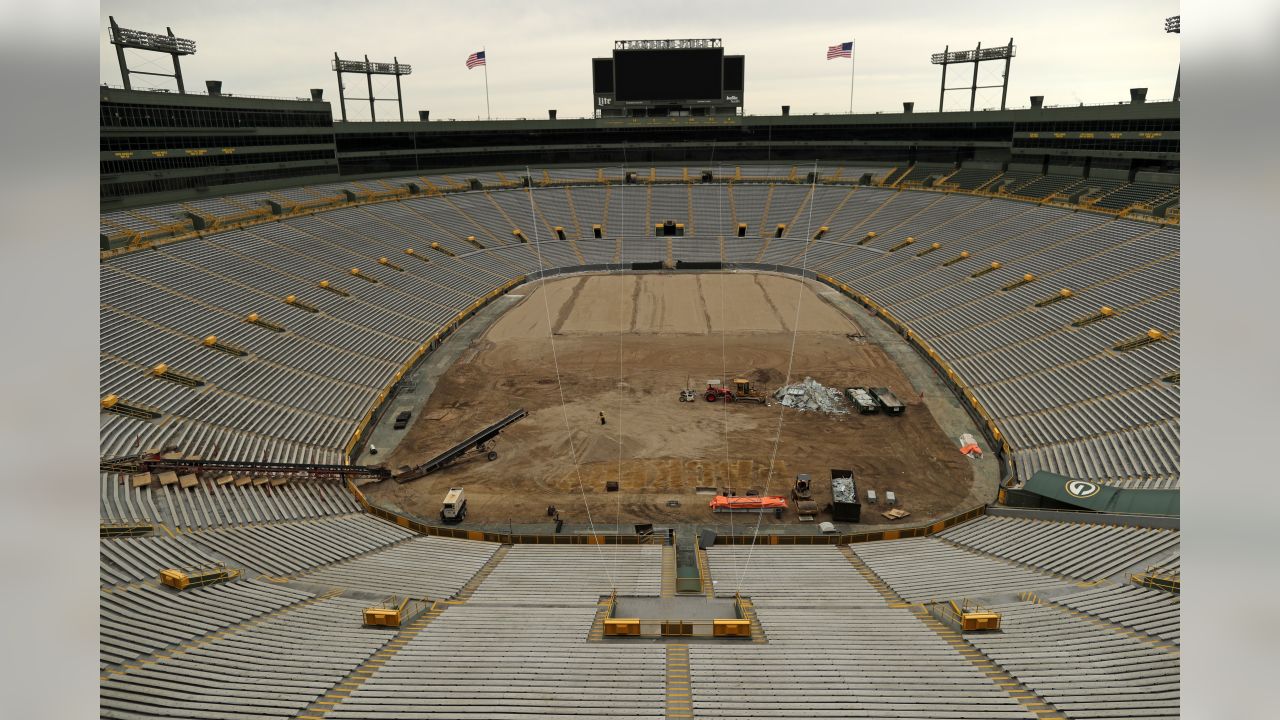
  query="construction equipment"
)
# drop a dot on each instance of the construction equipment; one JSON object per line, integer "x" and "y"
{"x": 688, "y": 395}
{"x": 802, "y": 495}
{"x": 454, "y": 508}
{"x": 742, "y": 391}
{"x": 156, "y": 463}
{"x": 198, "y": 576}
{"x": 389, "y": 614}
{"x": 480, "y": 442}
{"x": 745, "y": 392}
{"x": 975, "y": 617}
{"x": 888, "y": 401}
{"x": 844, "y": 497}
{"x": 862, "y": 400}
{"x": 715, "y": 391}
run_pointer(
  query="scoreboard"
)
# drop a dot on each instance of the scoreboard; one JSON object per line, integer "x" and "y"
{"x": 667, "y": 78}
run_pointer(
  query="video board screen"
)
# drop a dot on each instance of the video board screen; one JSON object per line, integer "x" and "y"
{"x": 653, "y": 75}
{"x": 734, "y": 72}
{"x": 602, "y": 75}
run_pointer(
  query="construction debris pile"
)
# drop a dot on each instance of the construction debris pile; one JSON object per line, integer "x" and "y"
{"x": 812, "y": 395}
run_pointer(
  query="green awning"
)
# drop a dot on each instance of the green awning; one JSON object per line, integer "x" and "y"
{"x": 1103, "y": 498}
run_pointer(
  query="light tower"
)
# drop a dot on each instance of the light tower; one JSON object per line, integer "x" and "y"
{"x": 174, "y": 47}
{"x": 975, "y": 56}
{"x": 1174, "y": 25}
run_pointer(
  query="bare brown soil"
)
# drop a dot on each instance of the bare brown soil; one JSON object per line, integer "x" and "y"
{"x": 625, "y": 346}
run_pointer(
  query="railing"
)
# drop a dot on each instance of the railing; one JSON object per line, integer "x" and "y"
{"x": 506, "y": 538}
{"x": 167, "y": 91}
{"x": 851, "y": 538}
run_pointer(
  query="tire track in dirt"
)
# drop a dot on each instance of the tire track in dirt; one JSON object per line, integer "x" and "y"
{"x": 706, "y": 313}
{"x": 567, "y": 308}
{"x": 782, "y": 324}
{"x": 635, "y": 302}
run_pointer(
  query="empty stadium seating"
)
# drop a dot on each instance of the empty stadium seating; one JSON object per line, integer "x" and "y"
{"x": 137, "y": 621}
{"x": 276, "y": 668}
{"x": 785, "y": 577}
{"x": 495, "y": 661}
{"x": 126, "y": 560}
{"x": 1154, "y": 612}
{"x": 1064, "y": 399}
{"x": 567, "y": 575}
{"x": 1079, "y": 550}
{"x": 844, "y": 662}
{"x": 292, "y": 547}
{"x": 1085, "y": 670}
{"x": 925, "y": 569}
{"x": 421, "y": 567}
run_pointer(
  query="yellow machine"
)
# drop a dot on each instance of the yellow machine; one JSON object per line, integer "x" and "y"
{"x": 1159, "y": 579}
{"x": 744, "y": 392}
{"x": 389, "y": 614}
{"x": 731, "y": 628}
{"x": 197, "y": 577}
{"x": 622, "y": 627}
{"x": 974, "y": 617}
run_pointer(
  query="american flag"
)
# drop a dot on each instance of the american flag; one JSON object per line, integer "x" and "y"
{"x": 475, "y": 59}
{"x": 841, "y": 50}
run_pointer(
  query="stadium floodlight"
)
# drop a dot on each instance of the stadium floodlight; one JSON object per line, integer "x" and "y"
{"x": 152, "y": 41}
{"x": 369, "y": 69}
{"x": 1173, "y": 24}
{"x": 171, "y": 45}
{"x": 686, "y": 44}
{"x": 372, "y": 68}
{"x": 975, "y": 56}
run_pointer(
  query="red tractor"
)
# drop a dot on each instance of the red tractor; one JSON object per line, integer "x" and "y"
{"x": 716, "y": 392}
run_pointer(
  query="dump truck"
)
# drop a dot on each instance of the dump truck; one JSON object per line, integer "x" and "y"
{"x": 844, "y": 497}
{"x": 454, "y": 508}
{"x": 862, "y": 400}
{"x": 888, "y": 401}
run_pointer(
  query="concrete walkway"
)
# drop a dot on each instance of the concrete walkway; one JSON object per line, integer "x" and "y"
{"x": 423, "y": 378}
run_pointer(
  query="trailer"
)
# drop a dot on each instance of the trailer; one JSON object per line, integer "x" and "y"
{"x": 888, "y": 401}
{"x": 454, "y": 507}
{"x": 844, "y": 497}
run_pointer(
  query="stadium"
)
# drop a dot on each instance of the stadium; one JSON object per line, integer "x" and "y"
{"x": 670, "y": 412}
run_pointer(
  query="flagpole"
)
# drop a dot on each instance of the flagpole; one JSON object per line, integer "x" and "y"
{"x": 487, "y": 114}
{"x": 853, "y": 54}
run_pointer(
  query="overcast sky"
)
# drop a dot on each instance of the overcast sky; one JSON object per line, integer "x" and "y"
{"x": 539, "y": 51}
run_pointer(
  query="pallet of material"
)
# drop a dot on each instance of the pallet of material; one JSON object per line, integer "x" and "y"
{"x": 895, "y": 514}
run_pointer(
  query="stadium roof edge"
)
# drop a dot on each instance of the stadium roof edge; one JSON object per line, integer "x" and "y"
{"x": 1080, "y": 112}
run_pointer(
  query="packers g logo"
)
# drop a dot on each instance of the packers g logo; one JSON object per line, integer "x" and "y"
{"x": 1082, "y": 489}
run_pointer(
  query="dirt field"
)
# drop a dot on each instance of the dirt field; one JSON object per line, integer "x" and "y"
{"x": 625, "y": 346}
